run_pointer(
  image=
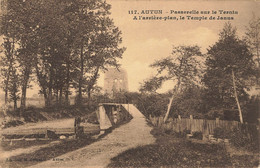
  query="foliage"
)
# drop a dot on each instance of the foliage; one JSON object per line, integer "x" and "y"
{"x": 64, "y": 44}
{"x": 215, "y": 113}
{"x": 253, "y": 38}
{"x": 227, "y": 55}
{"x": 221, "y": 133}
{"x": 151, "y": 85}
{"x": 12, "y": 123}
{"x": 8, "y": 63}
{"x": 189, "y": 102}
{"x": 154, "y": 104}
{"x": 197, "y": 135}
{"x": 182, "y": 67}
{"x": 247, "y": 139}
{"x": 252, "y": 111}
{"x": 149, "y": 104}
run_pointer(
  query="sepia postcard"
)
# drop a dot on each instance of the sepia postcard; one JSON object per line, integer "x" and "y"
{"x": 127, "y": 83}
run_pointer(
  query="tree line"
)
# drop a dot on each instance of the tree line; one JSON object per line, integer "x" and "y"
{"x": 216, "y": 82}
{"x": 60, "y": 44}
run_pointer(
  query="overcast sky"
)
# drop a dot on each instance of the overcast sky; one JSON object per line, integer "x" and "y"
{"x": 147, "y": 41}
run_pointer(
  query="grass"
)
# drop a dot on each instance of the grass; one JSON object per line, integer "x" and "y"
{"x": 7, "y": 146}
{"x": 169, "y": 151}
{"x": 47, "y": 153}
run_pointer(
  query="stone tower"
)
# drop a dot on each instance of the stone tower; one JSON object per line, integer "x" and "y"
{"x": 115, "y": 81}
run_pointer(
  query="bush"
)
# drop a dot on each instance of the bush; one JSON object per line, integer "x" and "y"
{"x": 215, "y": 113}
{"x": 178, "y": 134}
{"x": 247, "y": 139}
{"x": 12, "y": 123}
{"x": 251, "y": 110}
{"x": 197, "y": 135}
{"x": 92, "y": 118}
{"x": 186, "y": 131}
{"x": 157, "y": 132}
{"x": 221, "y": 133}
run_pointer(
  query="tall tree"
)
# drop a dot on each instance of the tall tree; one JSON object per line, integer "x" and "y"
{"x": 98, "y": 45}
{"x": 61, "y": 41}
{"x": 182, "y": 67}
{"x": 151, "y": 85}
{"x": 53, "y": 52}
{"x": 16, "y": 25}
{"x": 253, "y": 40}
{"x": 8, "y": 71}
{"x": 229, "y": 66}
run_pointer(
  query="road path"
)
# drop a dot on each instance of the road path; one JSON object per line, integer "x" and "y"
{"x": 133, "y": 134}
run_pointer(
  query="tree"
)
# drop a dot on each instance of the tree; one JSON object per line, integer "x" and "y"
{"x": 182, "y": 67}
{"x": 61, "y": 42}
{"x": 53, "y": 61}
{"x": 229, "y": 66}
{"x": 189, "y": 102}
{"x": 8, "y": 71}
{"x": 98, "y": 45}
{"x": 18, "y": 23}
{"x": 151, "y": 85}
{"x": 253, "y": 40}
{"x": 13, "y": 87}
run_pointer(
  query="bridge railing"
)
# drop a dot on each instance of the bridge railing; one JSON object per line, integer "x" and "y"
{"x": 120, "y": 100}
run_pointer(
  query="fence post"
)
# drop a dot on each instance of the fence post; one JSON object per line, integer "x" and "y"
{"x": 191, "y": 124}
{"x": 217, "y": 122}
{"x": 179, "y": 117}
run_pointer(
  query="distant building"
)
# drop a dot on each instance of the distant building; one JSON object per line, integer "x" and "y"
{"x": 115, "y": 81}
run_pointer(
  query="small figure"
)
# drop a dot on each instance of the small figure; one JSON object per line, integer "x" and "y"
{"x": 77, "y": 126}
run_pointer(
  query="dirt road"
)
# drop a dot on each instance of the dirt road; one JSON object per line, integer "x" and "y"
{"x": 133, "y": 134}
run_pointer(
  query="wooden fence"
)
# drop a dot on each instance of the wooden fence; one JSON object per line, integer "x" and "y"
{"x": 207, "y": 127}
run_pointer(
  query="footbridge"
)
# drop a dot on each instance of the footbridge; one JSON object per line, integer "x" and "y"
{"x": 109, "y": 115}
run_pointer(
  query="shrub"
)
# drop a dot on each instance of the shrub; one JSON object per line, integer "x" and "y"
{"x": 221, "y": 133}
{"x": 186, "y": 131}
{"x": 157, "y": 132}
{"x": 176, "y": 134}
{"x": 92, "y": 118}
{"x": 247, "y": 139}
{"x": 180, "y": 134}
{"x": 12, "y": 123}
{"x": 215, "y": 113}
{"x": 251, "y": 110}
{"x": 197, "y": 135}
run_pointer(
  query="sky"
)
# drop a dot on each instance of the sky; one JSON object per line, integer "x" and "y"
{"x": 150, "y": 40}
